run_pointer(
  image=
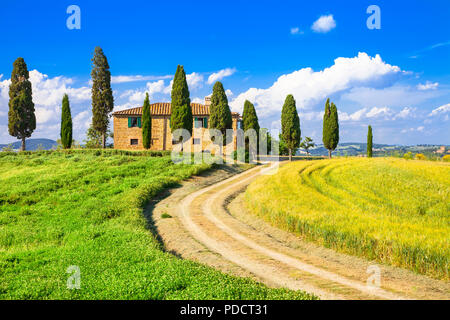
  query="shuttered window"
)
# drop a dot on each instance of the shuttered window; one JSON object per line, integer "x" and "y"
{"x": 134, "y": 122}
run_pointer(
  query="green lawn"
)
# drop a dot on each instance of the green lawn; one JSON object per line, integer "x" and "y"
{"x": 59, "y": 209}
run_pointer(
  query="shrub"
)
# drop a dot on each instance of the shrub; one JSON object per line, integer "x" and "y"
{"x": 446, "y": 158}
{"x": 408, "y": 156}
{"x": 420, "y": 156}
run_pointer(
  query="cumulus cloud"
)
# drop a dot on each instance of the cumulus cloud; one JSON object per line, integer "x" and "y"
{"x": 217, "y": 76}
{"x": 296, "y": 30}
{"x": 440, "y": 110}
{"x": 194, "y": 81}
{"x": 324, "y": 24}
{"x": 418, "y": 129}
{"x": 428, "y": 86}
{"x": 310, "y": 87}
{"x": 136, "y": 78}
{"x": 47, "y": 95}
{"x": 397, "y": 95}
{"x": 82, "y": 121}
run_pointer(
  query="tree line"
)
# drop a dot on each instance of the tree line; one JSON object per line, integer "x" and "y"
{"x": 22, "y": 119}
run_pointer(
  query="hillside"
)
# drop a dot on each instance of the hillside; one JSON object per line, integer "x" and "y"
{"x": 392, "y": 210}
{"x": 83, "y": 210}
{"x": 357, "y": 148}
{"x": 32, "y": 144}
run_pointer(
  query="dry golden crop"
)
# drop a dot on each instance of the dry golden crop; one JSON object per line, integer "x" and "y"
{"x": 391, "y": 210}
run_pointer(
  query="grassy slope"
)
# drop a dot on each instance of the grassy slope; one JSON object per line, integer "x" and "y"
{"x": 391, "y": 210}
{"x": 85, "y": 209}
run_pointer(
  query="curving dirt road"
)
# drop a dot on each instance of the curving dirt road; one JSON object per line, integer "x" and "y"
{"x": 210, "y": 225}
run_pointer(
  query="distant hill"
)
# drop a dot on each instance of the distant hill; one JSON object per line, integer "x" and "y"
{"x": 357, "y": 148}
{"x": 32, "y": 144}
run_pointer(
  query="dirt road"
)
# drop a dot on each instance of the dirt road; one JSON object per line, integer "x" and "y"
{"x": 210, "y": 224}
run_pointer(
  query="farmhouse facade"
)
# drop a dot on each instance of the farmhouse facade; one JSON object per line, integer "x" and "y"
{"x": 128, "y": 127}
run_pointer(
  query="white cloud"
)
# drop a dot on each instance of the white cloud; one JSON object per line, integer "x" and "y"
{"x": 229, "y": 93}
{"x": 217, "y": 76}
{"x": 440, "y": 110}
{"x": 398, "y": 95}
{"x": 296, "y": 30}
{"x": 404, "y": 113}
{"x": 384, "y": 113}
{"x": 194, "y": 81}
{"x": 418, "y": 129}
{"x": 324, "y": 24}
{"x": 428, "y": 86}
{"x": 310, "y": 87}
{"x": 136, "y": 78}
{"x": 197, "y": 100}
{"x": 82, "y": 121}
{"x": 378, "y": 112}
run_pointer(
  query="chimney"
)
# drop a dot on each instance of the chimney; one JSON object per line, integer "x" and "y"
{"x": 207, "y": 101}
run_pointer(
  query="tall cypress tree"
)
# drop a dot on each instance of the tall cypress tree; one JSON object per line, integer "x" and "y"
{"x": 146, "y": 123}
{"x": 250, "y": 121}
{"x": 219, "y": 111}
{"x": 181, "y": 117}
{"x": 369, "y": 142}
{"x": 249, "y": 117}
{"x": 330, "y": 134}
{"x": 21, "y": 117}
{"x": 102, "y": 97}
{"x": 290, "y": 125}
{"x": 66, "y": 123}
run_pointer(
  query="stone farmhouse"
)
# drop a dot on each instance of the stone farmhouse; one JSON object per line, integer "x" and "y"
{"x": 128, "y": 127}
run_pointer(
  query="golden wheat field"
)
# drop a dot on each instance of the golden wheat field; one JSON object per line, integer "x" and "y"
{"x": 390, "y": 210}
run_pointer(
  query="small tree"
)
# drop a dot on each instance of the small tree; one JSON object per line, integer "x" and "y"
{"x": 250, "y": 121}
{"x": 290, "y": 125}
{"x": 102, "y": 97}
{"x": 369, "y": 142}
{"x": 219, "y": 111}
{"x": 93, "y": 139}
{"x": 330, "y": 136}
{"x": 66, "y": 123}
{"x": 307, "y": 144}
{"x": 181, "y": 117}
{"x": 21, "y": 117}
{"x": 146, "y": 123}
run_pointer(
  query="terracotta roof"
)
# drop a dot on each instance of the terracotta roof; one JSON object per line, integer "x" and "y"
{"x": 163, "y": 108}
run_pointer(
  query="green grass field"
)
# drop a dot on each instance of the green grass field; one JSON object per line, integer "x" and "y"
{"x": 59, "y": 209}
{"x": 391, "y": 210}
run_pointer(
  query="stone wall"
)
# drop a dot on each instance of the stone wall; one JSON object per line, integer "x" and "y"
{"x": 160, "y": 140}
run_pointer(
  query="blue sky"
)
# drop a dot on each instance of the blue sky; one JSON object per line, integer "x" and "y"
{"x": 396, "y": 78}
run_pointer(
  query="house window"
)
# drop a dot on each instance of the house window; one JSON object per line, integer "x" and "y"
{"x": 200, "y": 122}
{"x": 196, "y": 141}
{"x": 134, "y": 142}
{"x": 134, "y": 122}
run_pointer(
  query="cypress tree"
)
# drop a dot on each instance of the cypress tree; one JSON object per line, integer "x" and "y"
{"x": 146, "y": 123}
{"x": 181, "y": 117}
{"x": 369, "y": 142}
{"x": 290, "y": 125}
{"x": 330, "y": 135}
{"x": 102, "y": 97}
{"x": 250, "y": 121}
{"x": 219, "y": 111}
{"x": 66, "y": 123}
{"x": 21, "y": 117}
{"x": 249, "y": 117}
